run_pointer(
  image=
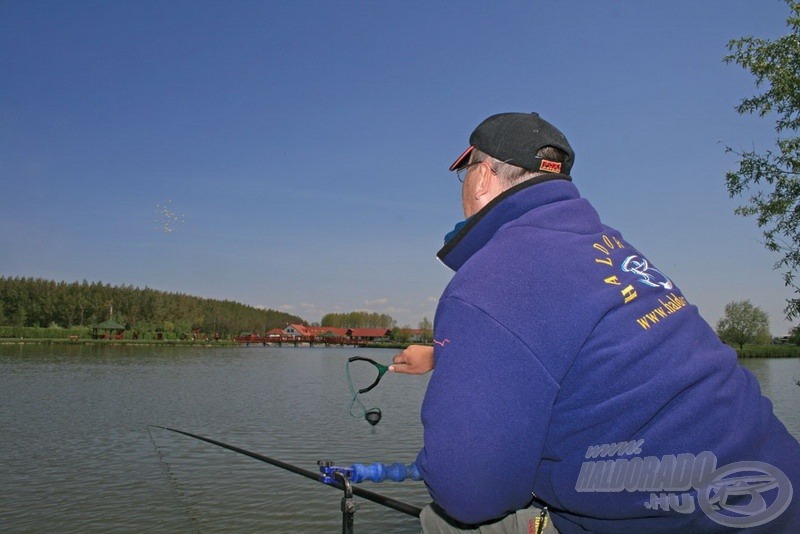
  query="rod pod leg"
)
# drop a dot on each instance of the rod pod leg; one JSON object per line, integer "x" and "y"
{"x": 348, "y": 505}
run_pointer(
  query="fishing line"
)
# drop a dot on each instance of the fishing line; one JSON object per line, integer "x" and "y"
{"x": 177, "y": 490}
{"x": 371, "y": 415}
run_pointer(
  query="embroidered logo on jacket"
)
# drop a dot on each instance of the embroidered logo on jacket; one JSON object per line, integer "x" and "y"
{"x": 629, "y": 271}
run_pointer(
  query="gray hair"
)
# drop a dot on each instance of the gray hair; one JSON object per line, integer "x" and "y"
{"x": 511, "y": 175}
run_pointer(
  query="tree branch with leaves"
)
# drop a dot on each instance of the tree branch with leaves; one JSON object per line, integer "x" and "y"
{"x": 770, "y": 178}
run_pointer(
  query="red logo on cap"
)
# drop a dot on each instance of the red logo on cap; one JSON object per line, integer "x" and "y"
{"x": 550, "y": 166}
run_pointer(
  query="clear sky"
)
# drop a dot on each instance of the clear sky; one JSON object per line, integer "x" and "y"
{"x": 293, "y": 154}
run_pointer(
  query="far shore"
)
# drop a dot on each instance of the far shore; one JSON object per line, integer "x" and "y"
{"x": 177, "y": 343}
{"x": 748, "y": 352}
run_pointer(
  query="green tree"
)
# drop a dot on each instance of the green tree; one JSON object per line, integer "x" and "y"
{"x": 794, "y": 336}
{"x": 427, "y": 329}
{"x": 358, "y": 319}
{"x": 743, "y": 323}
{"x": 401, "y": 334}
{"x": 770, "y": 178}
{"x": 26, "y": 302}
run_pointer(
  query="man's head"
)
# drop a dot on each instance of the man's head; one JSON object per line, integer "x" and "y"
{"x": 507, "y": 149}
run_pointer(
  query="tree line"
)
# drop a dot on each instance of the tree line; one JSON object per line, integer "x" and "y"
{"x": 745, "y": 324}
{"x": 34, "y": 302}
{"x": 364, "y": 319}
{"x": 358, "y": 319}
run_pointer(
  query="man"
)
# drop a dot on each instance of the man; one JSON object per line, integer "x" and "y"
{"x": 573, "y": 377}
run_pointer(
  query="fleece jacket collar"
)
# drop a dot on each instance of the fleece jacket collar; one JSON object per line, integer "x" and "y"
{"x": 507, "y": 206}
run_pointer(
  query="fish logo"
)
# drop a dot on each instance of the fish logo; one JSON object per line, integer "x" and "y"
{"x": 737, "y": 494}
{"x": 647, "y": 274}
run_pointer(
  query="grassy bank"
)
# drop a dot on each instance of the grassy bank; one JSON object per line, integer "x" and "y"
{"x": 769, "y": 351}
{"x": 130, "y": 342}
{"x": 78, "y": 338}
{"x": 168, "y": 343}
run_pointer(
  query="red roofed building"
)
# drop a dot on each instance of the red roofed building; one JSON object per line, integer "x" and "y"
{"x": 369, "y": 334}
{"x": 299, "y": 330}
{"x": 311, "y": 333}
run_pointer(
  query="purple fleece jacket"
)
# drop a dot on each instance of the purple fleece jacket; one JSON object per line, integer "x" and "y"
{"x": 571, "y": 369}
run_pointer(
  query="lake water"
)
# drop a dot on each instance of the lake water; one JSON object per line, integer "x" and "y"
{"x": 77, "y": 453}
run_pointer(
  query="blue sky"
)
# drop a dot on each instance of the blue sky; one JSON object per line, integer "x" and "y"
{"x": 294, "y": 155}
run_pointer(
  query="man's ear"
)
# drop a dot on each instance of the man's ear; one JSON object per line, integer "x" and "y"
{"x": 485, "y": 181}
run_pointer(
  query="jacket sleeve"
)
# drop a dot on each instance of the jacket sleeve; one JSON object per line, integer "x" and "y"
{"x": 485, "y": 416}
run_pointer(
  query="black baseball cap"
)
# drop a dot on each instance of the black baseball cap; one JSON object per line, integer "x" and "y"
{"x": 516, "y": 138}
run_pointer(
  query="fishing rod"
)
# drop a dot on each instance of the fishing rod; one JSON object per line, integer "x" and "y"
{"x": 338, "y": 477}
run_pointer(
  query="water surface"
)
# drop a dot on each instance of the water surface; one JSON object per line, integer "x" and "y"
{"x": 78, "y": 455}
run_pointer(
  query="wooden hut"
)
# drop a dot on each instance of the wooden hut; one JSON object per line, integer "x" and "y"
{"x": 108, "y": 330}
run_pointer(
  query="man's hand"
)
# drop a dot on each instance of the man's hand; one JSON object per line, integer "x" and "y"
{"x": 414, "y": 360}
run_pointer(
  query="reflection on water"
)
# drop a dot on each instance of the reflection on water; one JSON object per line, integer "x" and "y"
{"x": 778, "y": 379}
{"x": 78, "y": 455}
